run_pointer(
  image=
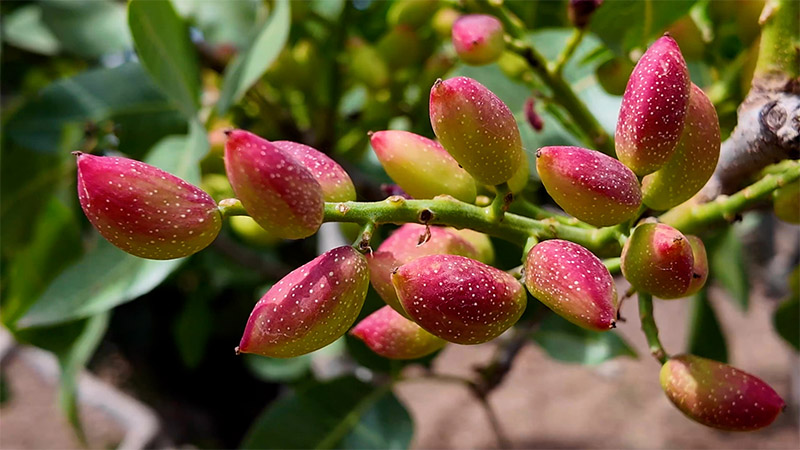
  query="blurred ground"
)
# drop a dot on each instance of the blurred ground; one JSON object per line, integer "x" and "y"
{"x": 547, "y": 404}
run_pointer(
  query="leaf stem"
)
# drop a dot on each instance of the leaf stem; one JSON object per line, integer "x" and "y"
{"x": 650, "y": 329}
{"x": 569, "y": 49}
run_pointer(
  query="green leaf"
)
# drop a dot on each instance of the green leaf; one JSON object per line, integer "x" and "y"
{"x": 569, "y": 343}
{"x": 88, "y": 28}
{"x": 228, "y": 22}
{"x": 248, "y": 66}
{"x": 343, "y": 413}
{"x": 706, "y": 337}
{"x": 124, "y": 94}
{"x": 25, "y": 29}
{"x": 192, "y": 328}
{"x": 163, "y": 44}
{"x": 278, "y": 370}
{"x": 73, "y": 361}
{"x": 727, "y": 265}
{"x": 627, "y": 24}
{"x": 105, "y": 276}
{"x": 787, "y": 321}
{"x": 55, "y": 244}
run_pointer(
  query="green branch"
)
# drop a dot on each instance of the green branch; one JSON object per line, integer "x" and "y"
{"x": 691, "y": 218}
{"x": 778, "y": 50}
{"x": 650, "y": 329}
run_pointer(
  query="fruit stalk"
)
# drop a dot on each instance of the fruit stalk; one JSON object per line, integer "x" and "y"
{"x": 650, "y": 328}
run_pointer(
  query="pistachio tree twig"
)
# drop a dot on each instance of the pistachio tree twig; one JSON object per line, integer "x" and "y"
{"x": 650, "y": 329}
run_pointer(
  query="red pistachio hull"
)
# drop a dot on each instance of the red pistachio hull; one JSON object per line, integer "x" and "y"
{"x": 275, "y": 189}
{"x": 335, "y": 183}
{"x": 658, "y": 259}
{"x": 718, "y": 395}
{"x": 459, "y": 299}
{"x": 144, "y": 210}
{"x": 310, "y": 307}
{"x": 573, "y": 282}
{"x": 392, "y": 336}
{"x": 653, "y": 108}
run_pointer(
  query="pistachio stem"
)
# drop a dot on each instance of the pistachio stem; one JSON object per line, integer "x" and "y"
{"x": 569, "y": 49}
{"x": 650, "y": 328}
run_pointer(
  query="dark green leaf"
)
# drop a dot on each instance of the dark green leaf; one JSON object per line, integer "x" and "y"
{"x": 706, "y": 337}
{"x": 249, "y": 65}
{"x": 25, "y": 29}
{"x": 344, "y": 413}
{"x": 567, "y": 342}
{"x": 106, "y": 276}
{"x": 727, "y": 265}
{"x": 123, "y": 94}
{"x": 278, "y": 370}
{"x": 55, "y": 244}
{"x": 163, "y": 44}
{"x": 627, "y": 24}
{"x": 88, "y": 28}
{"x": 787, "y": 321}
{"x": 192, "y": 328}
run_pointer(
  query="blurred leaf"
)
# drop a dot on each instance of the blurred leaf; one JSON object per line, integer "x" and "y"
{"x": 103, "y": 278}
{"x": 227, "y": 22}
{"x": 25, "y": 29}
{"x": 706, "y": 337}
{"x": 627, "y": 24}
{"x": 106, "y": 276}
{"x": 566, "y": 342}
{"x": 88, "y": 28}
{"x": 73, "y": 361}
{"x": 727, "y": 265}
{"x": 163, "y": 44}
{"x": 193, "y": 327}
{"x": 248, "y": 66}
{"x": 787, "y": 321}
{"x": 343, "y": 413}
{"x": 278, "y": 370}
{"x": 123, "y": 94}
{"x": 55, "y": 244}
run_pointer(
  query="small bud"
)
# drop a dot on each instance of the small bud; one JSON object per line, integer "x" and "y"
{"x": 275, "y": 189}
{"x": 786, "y": 203}
{"x": 366, "y": 64}
{"x": 580, "y": 11}
{"x": 694, "y": 160}
{"x": 334, "y": 181}
{"x": 477, "y": 128}
{"x": 589, "y": 185}
{"x": 478, "y": 39}
{"x": 459, "y": 299}
{"x": 144, "y": 210}
{"x": 657, "y": 259}
{"x": 653, "y": 108}
{"x": 400, "y": 47}
{"x": 700, "y": 267}
{"x": 573, "y": 282}
{"x": 310, "y": 307}
{"x": 422, "y": 167}
{"x": 533, "y": 118}
{"x": 408, "y": 243}
{"x": 718, "y": 395}
{"x": 414, "y": 13}
{"x": 392, "y": 336}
